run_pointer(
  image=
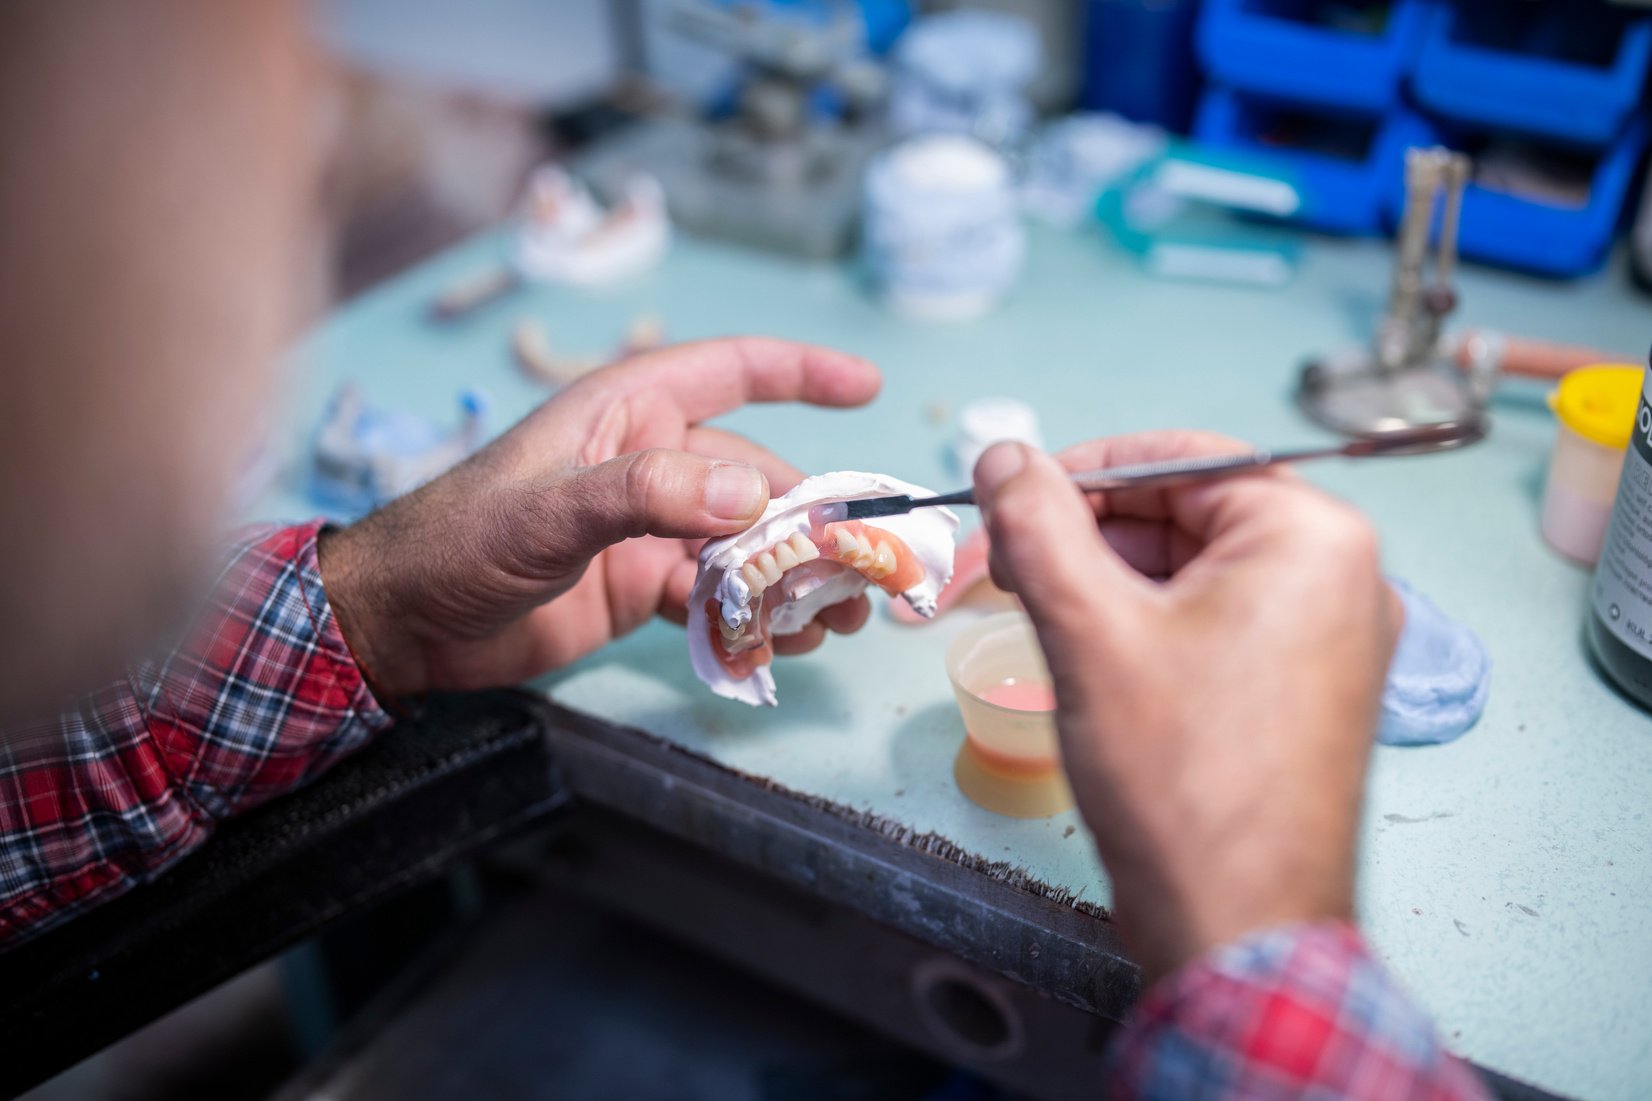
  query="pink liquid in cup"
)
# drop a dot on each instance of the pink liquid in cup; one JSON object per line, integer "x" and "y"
{"x": 1021, "y": 696}
{"x": 1004, "y": 747}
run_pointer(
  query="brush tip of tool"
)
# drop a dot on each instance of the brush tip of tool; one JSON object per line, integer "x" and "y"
{"x": 873, "y": 507}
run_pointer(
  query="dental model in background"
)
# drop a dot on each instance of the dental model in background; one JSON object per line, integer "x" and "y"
{"x": 802, "y": 557}
{"x": 540, "y": 361}
{"x": 363, "y": 457}
{"x": 566, "y": 237}
{"x": 1076, "y": 158}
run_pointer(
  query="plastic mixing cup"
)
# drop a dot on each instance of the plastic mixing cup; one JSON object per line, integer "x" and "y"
{"x": 1595, "y": 407}
{"x": 1010, "y": 761}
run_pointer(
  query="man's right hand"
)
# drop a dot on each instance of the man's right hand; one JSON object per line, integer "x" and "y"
{"x": 1218, "y": 653}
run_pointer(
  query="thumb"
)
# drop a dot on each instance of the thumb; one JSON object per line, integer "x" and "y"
{"x": 1045, "y": 545}
{"x": 671, "y": 494}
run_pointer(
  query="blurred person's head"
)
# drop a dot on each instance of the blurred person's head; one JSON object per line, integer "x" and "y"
{"x": 156, "y": 163}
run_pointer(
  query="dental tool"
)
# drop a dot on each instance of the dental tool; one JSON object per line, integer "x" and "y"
{"x": 1423, "y": 440}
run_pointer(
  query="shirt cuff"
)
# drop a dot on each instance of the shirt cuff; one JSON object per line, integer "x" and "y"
{"x": 269, "y": 696}
{"x": 375, "y": 713}
{"x": 1282, "y": 1013}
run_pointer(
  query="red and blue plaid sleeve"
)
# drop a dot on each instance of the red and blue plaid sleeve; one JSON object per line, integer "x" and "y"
{"x": 263, "y": 697}
{"x": 1299, "y": 1011}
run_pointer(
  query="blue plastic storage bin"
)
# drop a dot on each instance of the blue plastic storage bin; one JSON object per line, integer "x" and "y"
{"x": 1293, "y": 49}
{"x": 1567, "y": 69}
{"x": 1547, "y": 236}
{"x": 1342, "y": 164}
{"x": 1138, "y": 60}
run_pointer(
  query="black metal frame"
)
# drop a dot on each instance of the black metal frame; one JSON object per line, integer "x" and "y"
{"x": 474, "y": 770}
{"x": 468, "y": 771}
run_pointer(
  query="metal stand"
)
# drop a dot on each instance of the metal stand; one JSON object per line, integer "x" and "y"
{"x": 1403, "y": 380}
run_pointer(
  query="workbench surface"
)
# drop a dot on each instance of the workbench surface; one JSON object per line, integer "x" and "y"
{"x": 1506, "y": 878}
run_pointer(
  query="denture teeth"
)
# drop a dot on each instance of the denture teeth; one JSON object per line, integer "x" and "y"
{"x": 846, "y": 543}
{"x": 784, "y": 556}
{"x": 766, "y": 563}
{"x": 755, "y": 580}
{"x": 803, "y": 548}
{"x": 883, "y": 562}
{"x": 730, "y": 633}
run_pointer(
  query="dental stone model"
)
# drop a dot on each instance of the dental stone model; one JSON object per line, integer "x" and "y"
{"x": 799, "y": 558}
{"x": 564, "y": 236}
{"x": 363, "y": 456}
{"x": 1439, "y": 679}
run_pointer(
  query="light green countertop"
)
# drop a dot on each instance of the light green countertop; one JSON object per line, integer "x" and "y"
{"x": 1506, "y": 878}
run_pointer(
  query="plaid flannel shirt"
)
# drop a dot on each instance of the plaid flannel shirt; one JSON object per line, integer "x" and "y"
{"x": 1298, "y": 1012}
{"x": 122, "y": 787}
{"x": 115, "y": 791}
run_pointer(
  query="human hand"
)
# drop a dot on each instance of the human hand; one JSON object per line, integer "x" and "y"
{"x": 1218, "y": 653}
{"x": 580, "y": 523}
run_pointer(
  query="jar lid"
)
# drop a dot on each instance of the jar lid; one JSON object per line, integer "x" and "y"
{"x": 1599, "y": 403}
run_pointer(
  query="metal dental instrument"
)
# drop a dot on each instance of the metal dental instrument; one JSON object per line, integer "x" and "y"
{"x": 1402, "y": 379}
{"x": 1411, "y": 441}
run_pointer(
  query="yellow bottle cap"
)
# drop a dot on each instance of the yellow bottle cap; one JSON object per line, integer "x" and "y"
{"x": 1599, "y": 403}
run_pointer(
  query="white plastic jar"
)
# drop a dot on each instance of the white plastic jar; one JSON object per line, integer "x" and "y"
{"x": 941, "y": 234}
{"x": 987, "y": 421}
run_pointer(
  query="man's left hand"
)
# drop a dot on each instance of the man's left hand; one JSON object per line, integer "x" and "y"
{"x": 580, "y": 523}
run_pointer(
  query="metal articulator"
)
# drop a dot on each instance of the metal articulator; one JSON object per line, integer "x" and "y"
{"x": 776, "y": 174}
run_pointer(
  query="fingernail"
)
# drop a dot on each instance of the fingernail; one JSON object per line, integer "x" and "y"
{"x": 735, "y": 491}
{"x": 1001, "y": 462}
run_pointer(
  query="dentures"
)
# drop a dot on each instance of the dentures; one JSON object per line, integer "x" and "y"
{"x": 797, "y": 560}
{"x": 768, "y": 567}
{"x": 879, "y": 555}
